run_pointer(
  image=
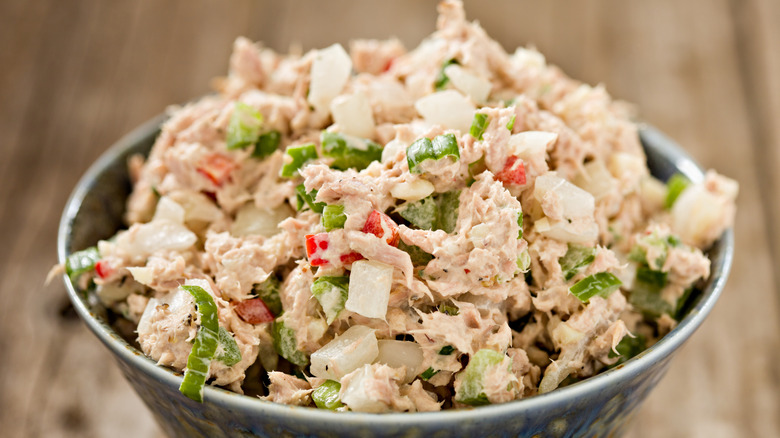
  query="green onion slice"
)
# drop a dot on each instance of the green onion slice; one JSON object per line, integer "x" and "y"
{"x": 478, "y": 125}
{"x": 203, "y": 347}
{"x": 333, "y": 217}
{"x": 286, "y": 344}
{"x": 511, "y": 124}
{"x": 442, "y": 79}
{"x": 306, "y": 199}
{"x": 674, "y": 187}
{"x": 332, "y": 293}
{"x": 471, "y": 391}
{"x": 601, "y": 284}
{"x": 446, "y": 350}
{"x": 445, "y": 145}
{"x": 80, "y": 262}
{"x": 326, "y": 396}
{"x": 349, "y": 152}
{"x": 267, "y": 144}
{"x": 427, "y": 374}
{"x": 244, "y": 126}
{"x": 230, "y": 354}
{"x": 297, "y": 156}
{"x": 576, "y": 258}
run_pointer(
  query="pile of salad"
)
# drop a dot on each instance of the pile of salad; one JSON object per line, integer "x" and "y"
{"x": 388, "y": 230}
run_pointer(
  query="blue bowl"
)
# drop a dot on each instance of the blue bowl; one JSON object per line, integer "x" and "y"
{"x": 598, "y": 406}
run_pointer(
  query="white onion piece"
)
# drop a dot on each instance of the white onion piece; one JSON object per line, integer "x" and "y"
{"x": 447, "y": 108}
{"x": 595, "y": 179}
{"x": 629, "y": 169}
{"x": 369, "y": 288}
{"x": 391, "y": 150}
{"x": 528, "y": 58}
{"x": 197, "y": 206}
{"x": 704, "y": 210}
{"x": 352, "y": 113}
{"x": 354, "y": 348}
{"x": 329, "y": 73}
{"x": 530, "y": 144}
{"x": 168, "y": 209}
{"x": 397, "y": 354}
{"x": 142, "y": 274}
{"x": 412, "y": 190}
{"x": 575, "y": 202}
{"x": 178, "y": 302}
{"x": 110, "y": 293}
{"x": 477, "y": 88}
{"x": 145, "y": 239}
{"x": 581, "y": 232}
{"x": 652, "y": 192}
{"x": 251, "y": 219}
{"x": 358, "y": 393}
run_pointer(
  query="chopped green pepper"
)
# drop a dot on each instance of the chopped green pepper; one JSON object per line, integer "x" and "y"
{"x": 627, "y": 348}
{"x": 307, "y": 199}
{"x": 435, "y": 212}
{"x": 674, "y": 187}
{"x": 349, "y": 152}
{"x": 576, "y": 258}
{"x": 286, "y": 344}
{"x": 478, "y": 125}
{"x": 268, "y": 291}
{"x": 267, "y": 144}
{"x": 471, "y": 391}
{"x": 646, "y": 292}
{"x": 427, "y": 374}
{"x": 244, "y": 126}
{"x": 80, "y": 262}
{"x": 418, "y": 256}
{"x": 297, "y": 156}
{"x": 442, "y": 79}
{"x": 203, "y": 347}
{"x": 230, "y": 354}
{"x": 511, "y": 124}
{"x": 333, "y": 217}
{"x": 601, "y": 284}
{"x": 326, "y": 396}
{"x": 446, "y": 350}
{"x": 445, "y": 145}
{"x": 448, "y": 210}
{"x": 332, "y": 293}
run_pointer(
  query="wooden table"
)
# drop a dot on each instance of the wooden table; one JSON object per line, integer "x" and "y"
{"x": 75, "y": 76}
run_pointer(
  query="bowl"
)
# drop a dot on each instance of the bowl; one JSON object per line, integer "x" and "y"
{"x": 598, "y": 406}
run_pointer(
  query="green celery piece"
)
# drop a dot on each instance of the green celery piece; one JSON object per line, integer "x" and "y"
{"x": 326, "y": 396}
{"x": 244, "y": 126}
{"x": 576, "y": 258}
{"x": 418, "y": 256}
{"x": 646, "y": 293}
{"x": 446, "y": 350}
{"x": 520, "y": 224}
{"x": 639, "y": 254}
{"x": 268, "y": 291}
{"x": 267, "y": 144}
{"x": 524, "y": 261}
{"x": 333, "y": 217}
{"x": 445, "y": 145}
{"x": 230, "y": 355}
{"x": 203, "y": 347}
{"x": 332, "y": 293}
{"x": 348, "y": 155}
{"x": 674, "y": 187}
{"x": 448, "y": 310}
{"x": 300, "y": 155}
{"x": 422, "y": 214}
{"x": 427, "y": 374}
{"x": 286, "y": 344}
{"x": 471, "y": 391}
{"x": 478, "y": 125}
{"x": 80, "y": 262}
{"x": 602, "y": 284}
{"x": 307, "y": 199}
{"x": 511, "y": 124}
{"x": 448, "y": 204}
{"x": 442, "y": 79}
{"x": 627, "y": 348}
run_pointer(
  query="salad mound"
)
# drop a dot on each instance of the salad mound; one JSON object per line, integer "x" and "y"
{"x": 380, "y": 230}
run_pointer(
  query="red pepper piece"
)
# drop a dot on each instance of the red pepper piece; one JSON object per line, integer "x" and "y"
{"x": 513, "y": 172}
{"x": 351, "y": 257}
{"x": 380, "y": 225}
{"x": 254, "y": 311}
{"x": 217, "y": 168}
{"x": 103, "y": 269}
{"x": 316, "y": 244}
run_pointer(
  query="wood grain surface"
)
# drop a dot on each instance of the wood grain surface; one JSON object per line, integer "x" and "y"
{"x": 76, "y": 75}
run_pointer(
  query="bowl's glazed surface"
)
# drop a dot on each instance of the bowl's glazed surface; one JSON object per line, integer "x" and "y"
{"x": 597, "y": 406}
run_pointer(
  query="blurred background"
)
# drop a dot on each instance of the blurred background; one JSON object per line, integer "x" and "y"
{"x": 77, "y": 75}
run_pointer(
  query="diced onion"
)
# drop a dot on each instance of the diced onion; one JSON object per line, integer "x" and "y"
{"x": 142, "y": 274}
{"x": 575, "y": 202}
{"x": 628, "y": 168}
{"x": 154, "y": 236}
{"x": 330, "y": 71}
{"x": 564, "y": 334}
{"x": 352, "y": 113}
{"x": 475, "y": 87}
{"x": 252, "y": 219}
{"x": 354, "y": 348}
{"x": 412, "y": 190}
{"x": 197, "y": 206}
{"x": 447, "y": 108}
{"x": 369, "y": 288}
{"x": 168, "y": 209}
{"x": 652, "y": 192}
{"x": 358, "y": 394}
{"x": 595, "y": 179}
{"x": 528, "y": 58}
{"x": 397, "y": 354}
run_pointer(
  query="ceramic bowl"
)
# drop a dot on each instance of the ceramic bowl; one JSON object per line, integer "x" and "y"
{"x": 598, "y": 406}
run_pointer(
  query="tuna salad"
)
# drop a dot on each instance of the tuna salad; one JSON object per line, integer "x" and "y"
{"x": 376, "y": 229}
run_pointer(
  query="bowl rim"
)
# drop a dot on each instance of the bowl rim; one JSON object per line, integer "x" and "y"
{"x": 233, "y": 401}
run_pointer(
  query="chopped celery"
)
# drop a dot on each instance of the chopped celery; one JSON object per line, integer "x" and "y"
{"x": 204, "y": 346}
{"x": 244, "y": 126}
{"x": 442, "y": 79}
{"x": 646, "y": 293}
{"x": 524, "y": 261}
{"x": 297, "y": 156}
{"x": 332, "y": 293}
{"x": 445, "y": 145}
{"x": 307, "y": 199}
{"x": 427, "y": 374}
{"x": 230, "y": 354}
{"x": 674, "y": 187}
{"x": 520, "y": 224}
{"x": 448, "y": 310}
{"x": 349, "y": 152}
{"x": 478, "y": 125}
{"x": 333, "y": 217}
{"x": 471, "y": 391}
{"x": 511, "y": 124}
{"x": 267, "y": 144}
{"x": 628, "y": 348}
{"x": 446, "y": 350}
{"x": 326, "y": 396}
{"x": 576, "y": 258}
{"x": 80, "y": 262}
{"x": 661, "y": 244}
{"x": 601, "y": 284}
{"x": 268, "y": 291}
{"x": 286, "y": 344}
{"x": 418, "y": 256}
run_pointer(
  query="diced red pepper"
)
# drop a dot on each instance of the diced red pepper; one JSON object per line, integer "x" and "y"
{"x": 351, "y": 257}
{"x": 380, "y": 225}
{"x": 103, "y": 269}
{"x": 254, "y": 311}
{"x": 217, "y": 168}
{"x": 513, "y": 172}
{"x": 316, "y": 244}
